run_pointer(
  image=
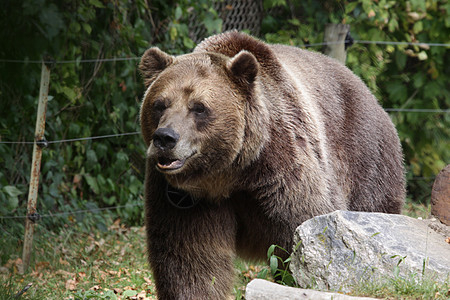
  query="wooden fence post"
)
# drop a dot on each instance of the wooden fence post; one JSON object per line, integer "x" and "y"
{"x": 335, "y": 37}
{"x": 39, "y": 143}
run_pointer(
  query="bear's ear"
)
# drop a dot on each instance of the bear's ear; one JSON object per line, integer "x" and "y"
{"x": 244, "y": 67}
{"x": 153, "y": 62}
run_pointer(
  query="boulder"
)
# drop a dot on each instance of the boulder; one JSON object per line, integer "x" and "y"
{"x": 259, "y": 289}
{"x": 343, "y": 248}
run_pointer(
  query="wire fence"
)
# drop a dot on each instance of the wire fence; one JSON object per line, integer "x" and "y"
{"x": 418, "y": 110}
{"x": 114, "y": 59}
{"x": 117, "y": 59}
{"x": 81, "y": 211}
{"x": 400, "y": 110}
{"x": 377, "y": 43}
{"x": 74, "y": 139}
{"x": 73, "y": 61}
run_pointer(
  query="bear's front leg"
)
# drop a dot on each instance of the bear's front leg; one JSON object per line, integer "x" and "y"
{"x": 191, "y": 250}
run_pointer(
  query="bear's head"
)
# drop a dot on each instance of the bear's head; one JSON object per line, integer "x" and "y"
{"x": 195, "y": 118}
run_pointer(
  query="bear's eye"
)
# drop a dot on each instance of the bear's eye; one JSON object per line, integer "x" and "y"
{"x": 198, "y": 108}
{"x": 159, "y": 106}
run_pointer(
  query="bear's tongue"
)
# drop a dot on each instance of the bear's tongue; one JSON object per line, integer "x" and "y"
{"x": 169, "y": 164}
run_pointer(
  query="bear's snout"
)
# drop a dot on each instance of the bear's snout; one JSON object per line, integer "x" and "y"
{"x": 165, "y": 138}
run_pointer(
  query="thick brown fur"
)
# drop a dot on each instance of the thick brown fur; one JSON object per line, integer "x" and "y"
{"x": 267, "y": 136}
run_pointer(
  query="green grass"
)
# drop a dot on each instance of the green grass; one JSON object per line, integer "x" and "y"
{"x": 412, "y": 286}
{"x": 416, "y": 210}
{"x": 74, "y": 264}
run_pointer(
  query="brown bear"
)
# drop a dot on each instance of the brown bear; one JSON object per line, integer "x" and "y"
{"x": 245, "y": 141}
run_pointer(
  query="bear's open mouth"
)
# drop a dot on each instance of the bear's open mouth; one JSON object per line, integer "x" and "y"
{"x": 168, "y": 164}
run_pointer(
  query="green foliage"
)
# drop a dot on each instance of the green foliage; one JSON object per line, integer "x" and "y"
{"x": 9, "y": 196}
{"x": 72, "y": 263}
{"x": 85, "y": 98}
{"x": 7, "y": 290}
{"x": 278, "y": 266}
{"x": 400, "y": 76}
{"x": 100, "y": 98}
{"x": 90, "y": 294}
{"x": 410, "y": 286}
{"x": 10, "y": 290}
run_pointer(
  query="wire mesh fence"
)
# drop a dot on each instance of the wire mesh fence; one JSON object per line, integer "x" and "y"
{"x": 50, "y": 214}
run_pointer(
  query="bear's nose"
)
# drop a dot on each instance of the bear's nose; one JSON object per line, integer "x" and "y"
{"x": 165, "y": 138}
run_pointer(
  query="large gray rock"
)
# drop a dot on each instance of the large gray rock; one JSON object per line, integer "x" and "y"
{"x": 340, "y": 249}
{"x": 259, "y": 289}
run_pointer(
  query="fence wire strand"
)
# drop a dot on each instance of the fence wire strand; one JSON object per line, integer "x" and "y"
{"x": 77, "y": 139}
{"x": 82, "y": 211}
{"x": 418, "y": 110}
{"x": 115, "y": 59}
{"x": 73, "y": 61}
{"x": 376, "y": 43}
{"x": 94, "y": 137}
{"x": 407, "y": 110}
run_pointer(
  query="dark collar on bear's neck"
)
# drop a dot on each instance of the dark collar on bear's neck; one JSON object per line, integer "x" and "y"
{"x": 179, "y": 199}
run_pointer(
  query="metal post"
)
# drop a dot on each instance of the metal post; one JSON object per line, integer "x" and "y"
{"x": 335, "y": 35}
{"x": 32, "y": 216}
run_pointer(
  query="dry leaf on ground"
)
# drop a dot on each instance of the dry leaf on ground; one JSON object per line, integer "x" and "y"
{"x": 71, "y": 284}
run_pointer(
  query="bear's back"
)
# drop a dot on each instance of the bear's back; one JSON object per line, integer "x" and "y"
{"x": 361, "y": 139}
{"x": 354, "y": 135}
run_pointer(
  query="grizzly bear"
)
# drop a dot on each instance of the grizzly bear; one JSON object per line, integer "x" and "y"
{"x": 245, "y": 141}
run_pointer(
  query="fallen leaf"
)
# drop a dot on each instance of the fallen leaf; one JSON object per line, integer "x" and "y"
{"x": 98, "y": 262}
{"x": 142, "y": 295}
{"x": 65, "y": 273}
{"x": 63, "y": 262}
{"x": 147, "y": 280}
{"x": 115, "y": 225}
{"x": 36, "y": 274}
{"x": 100, "y": 243}
{"x": 41, "y": 265}
{"x": 95, "y": 288}
{"x": 71, "y": 285}
{"x": 129, "y": 293}
{"x": 126, "y": 272}
{"x": 89, "y": 248}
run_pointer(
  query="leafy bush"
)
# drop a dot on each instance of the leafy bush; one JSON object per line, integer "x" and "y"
{"x": 279, "y": 266}
{"x": 85, "y": 99}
